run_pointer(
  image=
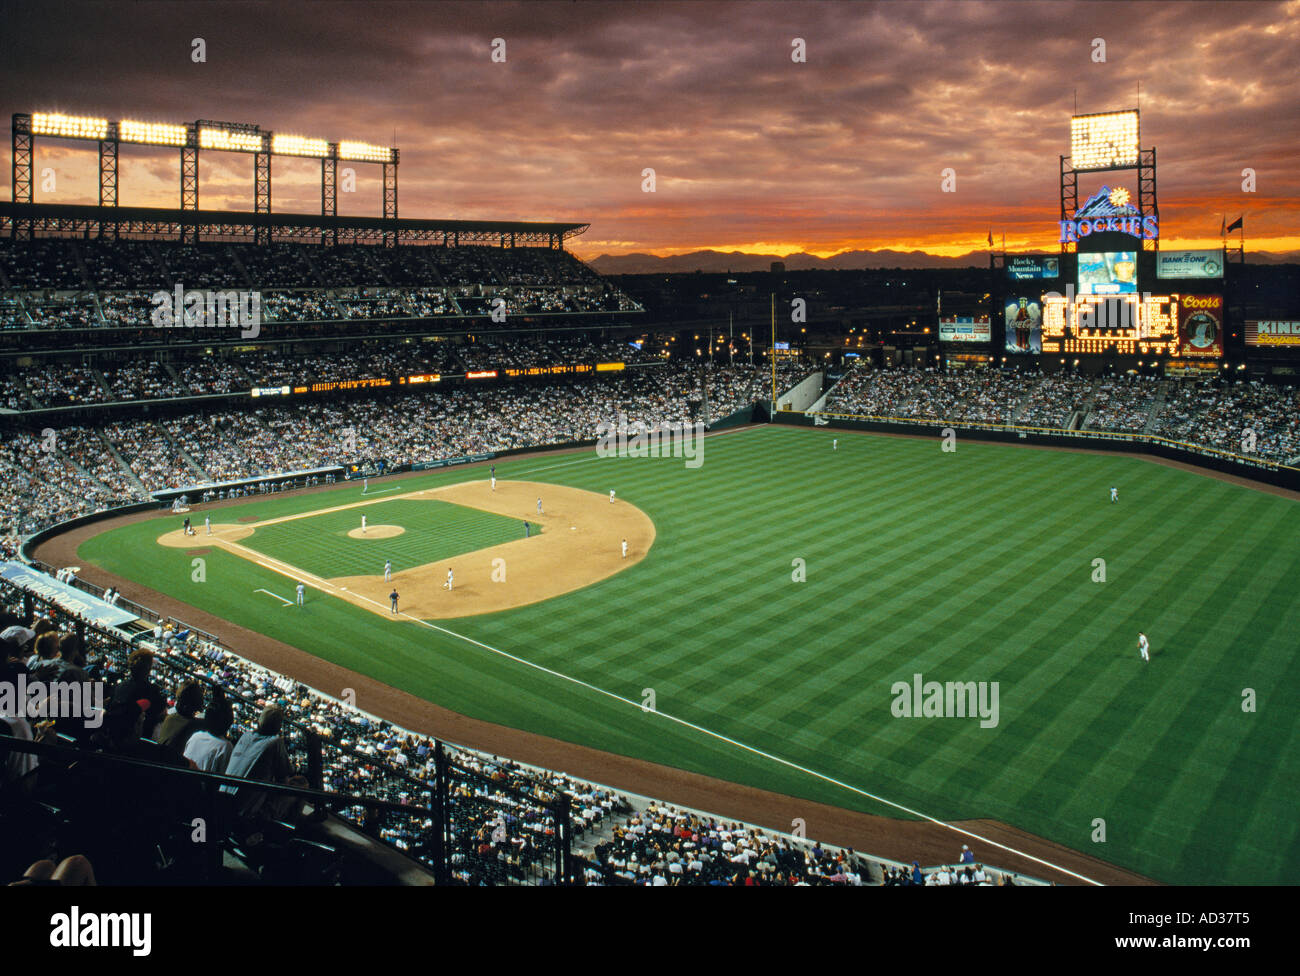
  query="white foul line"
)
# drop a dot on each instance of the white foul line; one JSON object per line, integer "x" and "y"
{"x": 741, "y": 745}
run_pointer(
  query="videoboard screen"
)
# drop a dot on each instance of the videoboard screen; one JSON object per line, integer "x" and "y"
{"x": 1108, "y": 273}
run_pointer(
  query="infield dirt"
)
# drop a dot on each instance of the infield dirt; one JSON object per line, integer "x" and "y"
{"x": 580, "y": 543}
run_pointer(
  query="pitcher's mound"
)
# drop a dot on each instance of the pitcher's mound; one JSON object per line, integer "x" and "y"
{"x": 376, "y": 532}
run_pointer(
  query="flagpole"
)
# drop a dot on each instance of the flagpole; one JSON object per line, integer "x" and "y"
{"x": 772, "y": 354}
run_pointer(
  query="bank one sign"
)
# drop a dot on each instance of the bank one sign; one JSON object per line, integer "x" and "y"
{"x": 1109, "y": 210}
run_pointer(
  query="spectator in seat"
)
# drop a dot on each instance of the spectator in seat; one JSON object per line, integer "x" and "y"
{"x": 262, "y": 755}
{"x": 182, "y": 721}
{"x": 208, "y": 747}
{"x": 136, "y": 686}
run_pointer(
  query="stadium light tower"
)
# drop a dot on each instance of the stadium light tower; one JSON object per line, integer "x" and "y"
{"x": 205, "y": 134}
{"x": 1105, "y": 141}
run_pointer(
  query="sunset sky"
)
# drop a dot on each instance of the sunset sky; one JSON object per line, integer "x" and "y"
{"x": 751, "y": 150}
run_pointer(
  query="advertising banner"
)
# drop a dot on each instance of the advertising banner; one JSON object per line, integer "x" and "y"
{"x": 1189, "y": 264}
{"x": 1028, "y": 267}
{"x": 965, "y": 328}
{"x": 1024, "y": 321}
{"x": 1200, "y": 325}
{"x": 1263, "y": 332}
{"x": 77, "y": 602}
{"x": 451, "y": 462}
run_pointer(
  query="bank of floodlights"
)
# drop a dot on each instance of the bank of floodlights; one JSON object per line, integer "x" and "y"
{"x": 190, "y": 139}
{"x": 1105, "y": 140}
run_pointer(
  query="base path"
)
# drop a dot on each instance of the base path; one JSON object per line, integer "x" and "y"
{"x": 580, "y": 543}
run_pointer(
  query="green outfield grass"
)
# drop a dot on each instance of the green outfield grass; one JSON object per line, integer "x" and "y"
{"x": 976, "y": 565}
{"x": 435, "y": 531}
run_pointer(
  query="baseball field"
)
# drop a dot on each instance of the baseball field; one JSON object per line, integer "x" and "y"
{"x": 772, "y": 598}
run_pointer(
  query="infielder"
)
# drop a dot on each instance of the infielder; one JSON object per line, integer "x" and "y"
{"x": 363, "y": 525}
{"x": 494, "y": 482}
{"x": 1114, "y": 494}
{"x": 392, "y": 598}
{"x": 365, "y": 485}
{"x": 611, "y": 496}
{"x": 302, "y": 590}
{"x": 388, "y": 570}
{"x": 447, "y": 585}
{"x": 207, "y": 523}
{"x": 1143, "y": 647}
{"x": 539, "y": 506}
{"x": 528, "y": 530}
{"x": 624, "y": 548}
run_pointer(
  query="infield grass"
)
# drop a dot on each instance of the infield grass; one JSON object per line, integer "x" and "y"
{"x": 976, "y": 565}
{"x": 434, "y": 531}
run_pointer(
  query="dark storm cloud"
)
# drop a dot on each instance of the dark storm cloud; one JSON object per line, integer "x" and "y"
{"x": 749, "y": 147}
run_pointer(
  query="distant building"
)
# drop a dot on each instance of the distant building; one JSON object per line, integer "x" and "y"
{"x": 778, "y": 267}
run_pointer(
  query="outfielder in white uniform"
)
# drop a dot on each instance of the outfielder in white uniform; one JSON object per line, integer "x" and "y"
{"x": 207, "y": 523}
{"x": 835, "y": 444}
{"x": 363, "y": 525}
{"x": 624, "y": 548}
{"x": 1143, "y": 647}
{"x": 388, "y": 570}
{"x": 1114, "y": 494}
{"x": 301, "y": 591}
{"x": 448, "y": 583}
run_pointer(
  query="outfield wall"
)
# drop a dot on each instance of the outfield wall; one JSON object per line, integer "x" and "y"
{"x": 1279, "y": 475}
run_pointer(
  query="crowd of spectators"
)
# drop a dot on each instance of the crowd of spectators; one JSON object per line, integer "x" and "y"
{"x": 1123, "y": 404}
{"x": 1247, "y": 418}
{"x": 182, "y": 700}
{"x": 978, "y": 396}
{"x": 65, "y": 283}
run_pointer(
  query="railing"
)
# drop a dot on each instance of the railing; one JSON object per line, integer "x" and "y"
{"x": 494, "y": 833}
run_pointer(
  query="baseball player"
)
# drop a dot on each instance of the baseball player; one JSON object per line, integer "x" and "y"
{"x": 388, "y": 570}
{"x": 611, "y": 496}
{"x": 365, "y": 485}
{"x": 302, "y": 591}
{"x": 1143, "y": 647}
{"x": 494, "y": 482}
{"x": 189, "y": 529}
{"x": 447, "y": 584}
{"x": 363, "y": 525}
{"x": 392, "y": 598}
{"x": 528, "y": 530}
{"x": 835, "y": 443}
{"x": 539, "y": 506}
{"x": 207, "y": 523}
{"x": 1114, "y": 494}
{"x": 624, "y": 548}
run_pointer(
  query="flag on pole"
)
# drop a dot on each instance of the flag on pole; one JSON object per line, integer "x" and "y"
{"x": 1236, "y": 224}
{"x": 990, "y": 237}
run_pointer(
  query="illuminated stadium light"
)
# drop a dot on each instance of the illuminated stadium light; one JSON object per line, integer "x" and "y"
{"x": 286, "y": 145}
{"x": 151, "y": 133}
{"x": 365, "y": 152}
{"x": 69, "y": 126}
{"x": 211, "y": 138}
{"x": 1107, "y": 140}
